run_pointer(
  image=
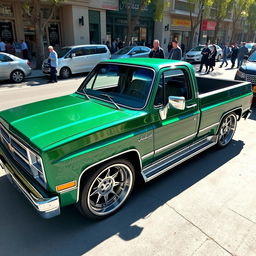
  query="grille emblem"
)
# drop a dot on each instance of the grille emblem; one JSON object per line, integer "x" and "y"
{"x": 10, "y": 147}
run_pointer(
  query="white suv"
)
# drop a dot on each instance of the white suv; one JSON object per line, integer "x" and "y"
{"x": 78, "y": 59}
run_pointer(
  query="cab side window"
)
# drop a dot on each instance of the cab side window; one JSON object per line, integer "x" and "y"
{"x": 4, "y": 58}
{"x": 173, "y": 83}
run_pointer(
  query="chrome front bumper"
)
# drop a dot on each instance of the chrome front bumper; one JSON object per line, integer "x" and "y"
{"x": 46, "y": 207}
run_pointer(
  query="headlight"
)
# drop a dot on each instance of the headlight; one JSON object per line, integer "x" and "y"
{"x": 241, "y": 74}
{"x": 37, "y": 168}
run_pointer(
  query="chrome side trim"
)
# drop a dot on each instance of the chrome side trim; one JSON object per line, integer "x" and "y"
{"x": 203, "y": 95}
{"x": 100, "y": 162}
{"x": 174, "y": 143}
{"x": 147, "y": 155}
{"x": 209, "y": 127}
{"x": 178, "y": 158}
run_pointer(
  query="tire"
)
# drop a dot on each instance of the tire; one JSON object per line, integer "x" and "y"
{"x": 17, "y": 76}
{"x": 65, "y": 73}
{"x": 227, "y": 130}
{"x": 107, "y": 189}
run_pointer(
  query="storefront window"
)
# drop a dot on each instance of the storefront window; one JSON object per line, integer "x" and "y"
{"x": 184, "y": 6}
{"x": 6, "y": 11}
{"x": 94, "y": 27}
{"x": 6, "y": 31}
{"x": 53, "y": 32}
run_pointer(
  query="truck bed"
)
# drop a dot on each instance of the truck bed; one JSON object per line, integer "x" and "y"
{"x": 206, "y": 85}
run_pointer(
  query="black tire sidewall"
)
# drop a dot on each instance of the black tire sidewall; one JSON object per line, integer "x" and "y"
{"x": 23, "y": 76}
{"x": 83, "y": 204}
{"x": 61, "y": 73}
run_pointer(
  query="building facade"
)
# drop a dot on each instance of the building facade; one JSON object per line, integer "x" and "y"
{"x": 74, "y": 22}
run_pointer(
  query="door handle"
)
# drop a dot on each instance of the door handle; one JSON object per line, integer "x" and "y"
{"x": 191, "y": 106}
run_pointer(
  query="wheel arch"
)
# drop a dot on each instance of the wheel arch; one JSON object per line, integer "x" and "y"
{"x": 131, "y": 155}
{"x": 238, "y": 112}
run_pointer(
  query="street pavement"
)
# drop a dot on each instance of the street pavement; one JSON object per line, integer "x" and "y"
{"x": 204, "y": 207}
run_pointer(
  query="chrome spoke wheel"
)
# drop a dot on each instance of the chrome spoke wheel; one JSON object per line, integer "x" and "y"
{"x": 110, "y": 189}
{"x": 227, "y": 129}
{"x": 17, "y": 76}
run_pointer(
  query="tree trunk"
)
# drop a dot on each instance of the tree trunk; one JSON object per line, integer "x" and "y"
{"x": 216, "y": 32}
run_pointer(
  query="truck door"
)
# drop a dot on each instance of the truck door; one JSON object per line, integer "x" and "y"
{"x": 175, "y": 128}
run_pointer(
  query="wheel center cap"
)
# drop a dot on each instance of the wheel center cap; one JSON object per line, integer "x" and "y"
{"x": 106, "y": 185}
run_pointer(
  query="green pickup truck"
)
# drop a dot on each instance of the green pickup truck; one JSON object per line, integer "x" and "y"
{"x": 129, "y": 119}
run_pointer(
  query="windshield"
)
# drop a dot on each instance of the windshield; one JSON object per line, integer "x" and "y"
{"x": 126, "y": 85}
{"x": 63, "y": 52}
{"x": 253, "y": 57}
{"x": 124, "y": 50}
{"x": 198, "y": 49}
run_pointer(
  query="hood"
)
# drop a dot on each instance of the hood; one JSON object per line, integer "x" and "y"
{"x": 249, "y": 67}
{"x": 50, "y": 121}
{"x": 193, "y": 53}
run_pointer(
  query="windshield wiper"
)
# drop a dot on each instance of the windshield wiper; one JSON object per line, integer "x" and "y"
{"x": 85, "y": 93}
{"x": 110, "y": 98}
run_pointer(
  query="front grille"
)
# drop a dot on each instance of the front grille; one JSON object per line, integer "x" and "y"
{"x": 251, "y": 78}
{"x": 190, "y": 56}
{"x": 17, "y": 150}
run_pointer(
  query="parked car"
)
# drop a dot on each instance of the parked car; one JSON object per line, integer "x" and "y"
{"x": 247, "y": 72}
{"x": 131, "y": 52}
{"x": 14, "y": 68}
{"x": 78, "y": 59}
{"x": 194, "y": 55}
{"x": 130, "y": 118}
{"x": 249, "y": 46}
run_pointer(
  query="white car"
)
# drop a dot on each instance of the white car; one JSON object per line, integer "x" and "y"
{"x": 194, "y": 55}
{"x": 14, "y": 68}
{"x": 78, "y": 59}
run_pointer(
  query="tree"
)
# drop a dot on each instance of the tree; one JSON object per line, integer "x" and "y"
{"x": 203, "y": 7}
{"x": 32, "y": 9}
{"x": 221, "y": 10}
{"x": 134, "y": 10}
{"x": 251, "y": 21}
{"x": 240, "y": 10}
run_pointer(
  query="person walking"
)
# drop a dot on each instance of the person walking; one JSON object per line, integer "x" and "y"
{"x": 212, "y": 59}
{"x": 182, "y": 46}
{"x": 157, "y": 51}
{"x": 175, "y": 53}
{"x": 204, "y": 60}
{"x": 243, "y": 50}
{"x": 234, "y": 53}
{"x": 2, "y": 46}
{"x": 53, "y": 61}
{"x": 169, "y": 47}
{"x": 225, "y": 53}
{"x": 24, "y": 49}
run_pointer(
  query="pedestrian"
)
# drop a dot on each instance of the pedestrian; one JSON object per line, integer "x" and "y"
{"x": 234, "y": 53}
{"x": 175, "y": 53}
{"x": 182, "y": 46}
{"x": 53, "y": 61}
{"x": 108, "y": 45}
{"x": 114, "y": 46}
{"x": 225, "y": 53}
{"x": 9, "y": 48}
{"x": 242, "y": 52}
{"x": 156, "y": 51}
{"x": 204, "y": 60}
{"x": 2, "y": 46}
{"x": 120, "y": 44}
{"x": 17, "y": 48}
{"x": 169, "y": 47}
{"x": 24, "y": 49}
{"x": 212, "y": 59}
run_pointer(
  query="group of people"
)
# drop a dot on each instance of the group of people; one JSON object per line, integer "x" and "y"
{"x": 20, "y": 49}
{"x": 157, "y": 52}
{"x": 236, "y": 54}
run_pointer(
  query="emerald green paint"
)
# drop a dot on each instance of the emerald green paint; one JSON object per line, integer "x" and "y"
{"x": 72, "y": 133}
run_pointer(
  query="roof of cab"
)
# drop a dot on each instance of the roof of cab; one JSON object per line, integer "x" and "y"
{"x": 154, "y": 63}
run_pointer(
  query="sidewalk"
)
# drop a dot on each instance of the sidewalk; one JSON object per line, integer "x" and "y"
{"x": 36, "y": 73}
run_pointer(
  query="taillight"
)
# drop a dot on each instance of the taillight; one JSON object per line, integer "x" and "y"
{"x": 28, "y": 62}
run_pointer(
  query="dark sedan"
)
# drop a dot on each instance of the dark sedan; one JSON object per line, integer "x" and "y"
{"x": 247, "y": 72}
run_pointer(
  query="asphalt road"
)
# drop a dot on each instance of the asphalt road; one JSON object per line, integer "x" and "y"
{"x": 206, "y": 206}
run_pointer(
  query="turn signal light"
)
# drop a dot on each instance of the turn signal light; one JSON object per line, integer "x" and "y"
{"x": 65, "y": 186}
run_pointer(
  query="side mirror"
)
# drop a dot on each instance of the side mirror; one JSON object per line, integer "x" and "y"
{"x": 177, "y": 102}
{"x": 72, "y": 55}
